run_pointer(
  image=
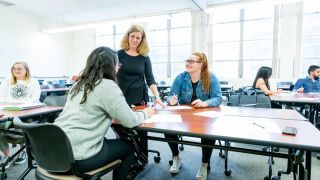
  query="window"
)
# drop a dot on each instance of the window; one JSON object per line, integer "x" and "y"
{"x": 169, "y": 39}
{"x": 310, "y": 36}
{"x": 242, "y": 40}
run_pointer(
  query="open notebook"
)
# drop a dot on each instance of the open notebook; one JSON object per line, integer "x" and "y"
{"x": 20, "y": 107}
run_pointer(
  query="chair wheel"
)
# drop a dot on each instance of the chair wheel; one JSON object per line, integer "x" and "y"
{"x": 3, "y": 176}
{"x": 228, "y": 172}
{"x": 318, "y": 156}
{"x": 222, "y": 155}
{"x": 265, "y": 149}
{"x": 275, "y": 178}
{"x": 157, "y": 159}
{"x": 170, "y": 162}
{"x": 181, "y": 148}
{"x": 276, "y": 149}
{"x": 266, "y": 178}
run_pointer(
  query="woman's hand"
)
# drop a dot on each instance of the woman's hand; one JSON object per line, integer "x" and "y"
{"x": 158, "y": 101}
{"x": 149, "y": 112}
{"x": 199, "y": 104}
{"x": 174, "y": 100}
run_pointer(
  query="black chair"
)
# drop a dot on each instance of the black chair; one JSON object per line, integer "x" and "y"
{"x": 55, "y": 100}
{"x": 50, "y": 147}
{"x": 285, "y": 85}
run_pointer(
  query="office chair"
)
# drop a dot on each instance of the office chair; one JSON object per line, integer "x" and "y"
{"x": 50, "y": 147}
{"x": 14, "y": 137}
{"x": 54, "y": 101}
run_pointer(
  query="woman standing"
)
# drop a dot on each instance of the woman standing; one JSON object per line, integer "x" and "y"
{"x": 136, "y": 68}
{"x": 136, "y": 75}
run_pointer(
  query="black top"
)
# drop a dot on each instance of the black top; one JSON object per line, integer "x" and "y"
{"x": 194, "y": 91}
{"x": 133, "y": 75}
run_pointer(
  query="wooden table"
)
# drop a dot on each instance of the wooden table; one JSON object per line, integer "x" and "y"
{"x": 238, "y": 126}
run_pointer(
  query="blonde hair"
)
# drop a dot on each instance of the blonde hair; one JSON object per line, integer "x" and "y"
{"x": 205, "y": 73}
{"x": 13, "y": 79}
{"x": 143, "y": 48}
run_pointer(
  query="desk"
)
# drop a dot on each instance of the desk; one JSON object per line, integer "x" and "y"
{"x": 30, "y": 112}
{"x": 300, "y": 99}
{"x": 240, "y": 129}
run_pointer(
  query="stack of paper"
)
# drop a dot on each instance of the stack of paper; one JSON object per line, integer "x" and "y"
{"x": 19, "y": 107}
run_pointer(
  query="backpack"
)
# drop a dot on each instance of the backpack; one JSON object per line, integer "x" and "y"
{"x": 249, "y": 97}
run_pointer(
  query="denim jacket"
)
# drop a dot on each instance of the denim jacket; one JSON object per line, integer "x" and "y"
{"x": 308, "y": 85}
{"x": 182, "y": 88}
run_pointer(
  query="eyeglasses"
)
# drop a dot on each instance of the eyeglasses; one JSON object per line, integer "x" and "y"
{"x": 191, "y": 61}
{"x": 17, "y": 69}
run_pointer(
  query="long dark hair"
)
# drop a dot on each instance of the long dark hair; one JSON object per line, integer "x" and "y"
{"x": 101, "y": 64}
{"x": 265, "y": 73}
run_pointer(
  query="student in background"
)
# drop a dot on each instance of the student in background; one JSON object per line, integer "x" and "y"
{"x": 261, "y": 81}
{"x": 19, "y": 88}
{"x": 311, "y": 83}
{"x": 135, "y": 72}
{"x": 94, "y": 100}
{"x": 199, "y": 88}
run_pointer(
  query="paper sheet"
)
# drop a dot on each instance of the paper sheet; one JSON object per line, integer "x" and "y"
{"x": 164, "y": 118}
{"x": 209, "y": 114}
{"x": 177, "y": 107}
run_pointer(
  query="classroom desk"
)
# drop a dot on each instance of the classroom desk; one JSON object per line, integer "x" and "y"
{"x": 300, "y": 98}
{"x": 240, "y": 129}
{"x": 30, "y": 112}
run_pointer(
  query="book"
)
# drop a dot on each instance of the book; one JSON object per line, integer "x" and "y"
{"x": 20, "y": 107}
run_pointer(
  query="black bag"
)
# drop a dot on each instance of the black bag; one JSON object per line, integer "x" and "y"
{"x": 140, "y": 145}
{"x": 249, "y": 97}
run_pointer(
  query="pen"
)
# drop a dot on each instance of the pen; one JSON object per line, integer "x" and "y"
{"x": 174, "y": 95}
{"x": 258, "y": 125}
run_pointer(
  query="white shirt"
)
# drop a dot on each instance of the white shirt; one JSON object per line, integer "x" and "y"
{"x": 21, "y": 92}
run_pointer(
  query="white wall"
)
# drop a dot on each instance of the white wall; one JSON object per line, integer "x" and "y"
{"x": 21, "y": 40}
{"x": 83, "y": 43}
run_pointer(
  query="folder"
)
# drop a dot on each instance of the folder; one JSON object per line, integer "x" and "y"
{"x": 20, "y": 107}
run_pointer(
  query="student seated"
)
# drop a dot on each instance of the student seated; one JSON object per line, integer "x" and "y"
{"x": 261, "y": 81}
{"x": 311, "y": 83}
{"x": 198, "y": 88}
{"x": 19, "y": 88}
{"x": 93, "y": 101}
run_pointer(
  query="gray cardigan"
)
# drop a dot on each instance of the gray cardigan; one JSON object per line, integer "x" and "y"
{"x": 86, "y": 124}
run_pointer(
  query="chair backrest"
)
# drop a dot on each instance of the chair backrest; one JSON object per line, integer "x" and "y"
{"x": 48, "y": 145}
{"x": 55, "y": 100}
{"x": 58, "y": 85}
{"x": 223, "y": 82}
{"x": 44, "y": 86}
{"x": 257, "y": 100}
